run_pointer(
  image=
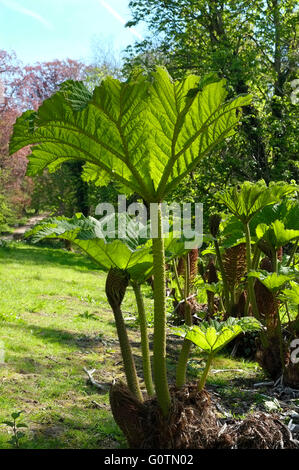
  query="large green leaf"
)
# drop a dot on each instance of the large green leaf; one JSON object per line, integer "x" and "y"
{"x": 276, "y": 235}
{"x": 88, "y": 234}
{"x": 292, "y": 294}
{"x": 273, "y": 281}
{"x": 247, "y": 199}
{"x": 146, "y": 133}
{"x": 131, "y": 253}
{"x": 212, "y": 336}
{"x": 287, "y": 211}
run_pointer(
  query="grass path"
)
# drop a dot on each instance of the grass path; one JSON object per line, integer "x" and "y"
{"x": 54, "y": 321}
{"x": 18, "y": 233}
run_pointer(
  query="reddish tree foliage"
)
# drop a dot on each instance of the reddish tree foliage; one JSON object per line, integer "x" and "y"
{"x": 40, "y": 81}
{"x": 23, "y": 88}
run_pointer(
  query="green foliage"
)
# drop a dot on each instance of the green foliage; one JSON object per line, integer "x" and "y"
{"x": 275, "y": 235}
{"x": 274, "y": 282}
{"x": 88, "y": 234}
{"x": 68, "y": 412}
{"x": 8, "y": 213}
{"x": 247, "y": 199}
{"x": 87, "y": 316}
{"x": 15, "y": 426}
{"x": 254, "y": 46}
{"x": 287, "y": 211}
{"x": 147, "y": 134}
{"x": 7, "y": 217}
{"x": 212, "y": 336}
{"x": 215, "y": 287}
{"x": 131, "y": 253}
{"x": 50, "y": 192}
{"x": 291, "y": 294}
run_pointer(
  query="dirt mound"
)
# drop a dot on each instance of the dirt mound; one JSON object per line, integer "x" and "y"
{"x": 193, "y": 423}
{"x": 261, "y": 431}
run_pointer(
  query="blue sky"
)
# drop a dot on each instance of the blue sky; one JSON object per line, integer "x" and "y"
{"x": 44, "y": 30}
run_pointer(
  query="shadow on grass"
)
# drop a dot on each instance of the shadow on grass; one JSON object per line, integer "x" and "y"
{"x": 60, "y": 336}
{"x": 29, "y": 255}
{"x": 77, "y": 340}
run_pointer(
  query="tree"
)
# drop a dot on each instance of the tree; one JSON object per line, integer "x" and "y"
{"x": 38, "y": 82}
{"x": 105, "y": 63}
{"x": 26, "y": 88}
{"x": 254, "y": 46}
{"x": 15, "y": 188}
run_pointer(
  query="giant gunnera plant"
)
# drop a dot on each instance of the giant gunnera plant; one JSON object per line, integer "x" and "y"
{"x": 146, "y": 134}
{"x": 128, "y": 261}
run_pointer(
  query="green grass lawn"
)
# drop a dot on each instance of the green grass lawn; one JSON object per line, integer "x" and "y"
{"x": 54, "y": 321}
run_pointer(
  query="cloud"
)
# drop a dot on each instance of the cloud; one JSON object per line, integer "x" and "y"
{"x": 12, "y": 5}
{"x": 119, "y": 18}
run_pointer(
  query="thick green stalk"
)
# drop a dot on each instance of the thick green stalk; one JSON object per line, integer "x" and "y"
{"x": 248, "y": 245}
{"x": 246, "y": 308}
{"x": 160, "y": 371}
{"x": 274, "y": 261}
{"x": 224, "y": 280}
{"x": 211, "y": 302}
{"x": 256, "y": 257}
{"x": 293, "y": 252}
{"x": 187, "y": 277}
{"x": 127, "y": 356}
{"x": 251, "y": 280}
{"x": 146, "y": 360}
{"x": 250, "y": 283}
{"x": 203, "y": 378}
{"x": 181, "y": 371}
{"x": 176, "y": 276}
{"x": 281, "y": 342}
{"x": 279, "y": 327}
{"x": 233, "y": 296}
{"x": 221, "y": 304}
{"x": 116, "y": 285}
